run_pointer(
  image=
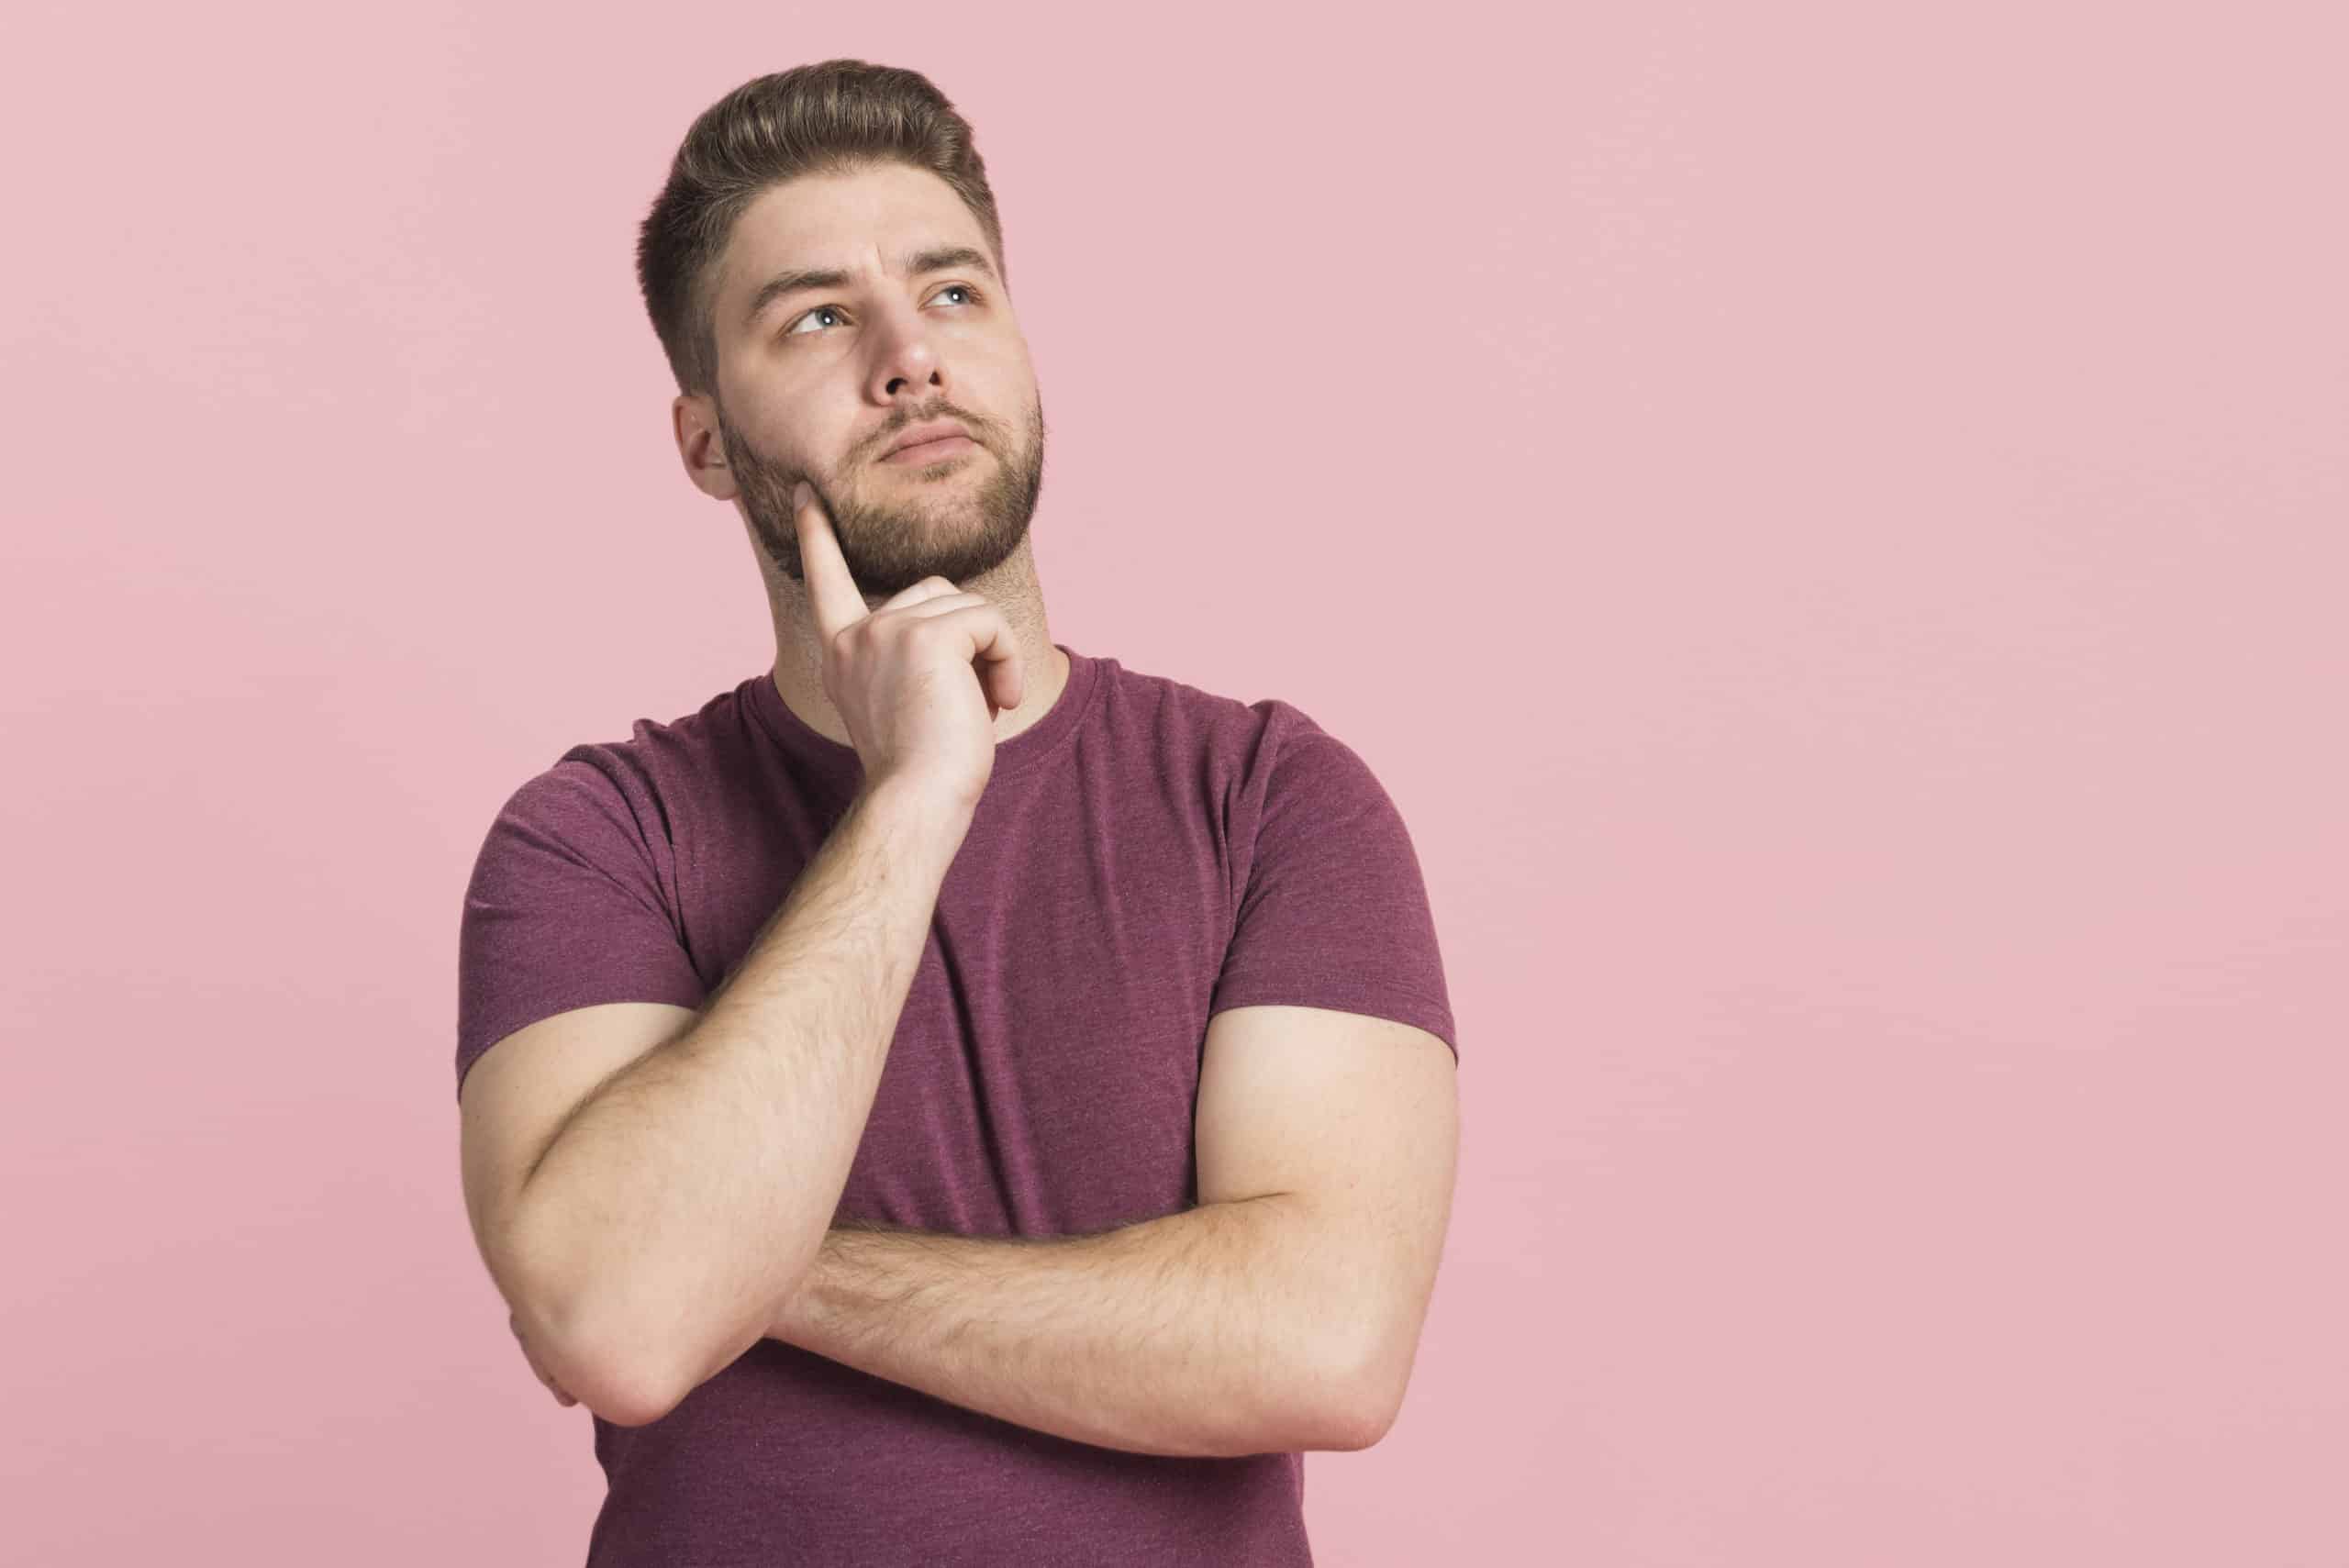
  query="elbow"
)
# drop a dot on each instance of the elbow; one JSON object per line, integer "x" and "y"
{"x": 636, "y": 1360}
{"x": 1337, "y": 1405}
{"x": 628, "y": 1344}
{"x": 623, "y": 1402}
{"x": 1370, "y": 1390}
{"x": 616, "y": 1383}
{"x": 579, "y": 1338}
{"x": 1328, "y": 1420}
{"x": 633, "y": 1405}
{"x": 1360, "y": 1425}
{"x": 622, "y": 1383}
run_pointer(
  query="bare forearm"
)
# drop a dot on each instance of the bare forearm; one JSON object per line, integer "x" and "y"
{"x": 630, "y": 1225}
{"x": 1209, "y": 1332}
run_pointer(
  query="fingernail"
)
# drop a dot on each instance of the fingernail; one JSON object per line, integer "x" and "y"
{"x": 799, "y": 494}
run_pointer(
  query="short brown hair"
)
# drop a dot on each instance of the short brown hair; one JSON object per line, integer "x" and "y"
{"x": 836, "y": 116}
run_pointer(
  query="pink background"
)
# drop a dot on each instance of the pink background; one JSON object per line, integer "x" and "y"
{"x": 1828, "y": 520}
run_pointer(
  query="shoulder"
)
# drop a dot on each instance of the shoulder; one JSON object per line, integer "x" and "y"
{"x": 632, "y": 783}
{"x": 1242, "y": 737}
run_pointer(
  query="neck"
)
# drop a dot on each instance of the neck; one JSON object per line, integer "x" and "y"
{"x": 1012, "y": 587}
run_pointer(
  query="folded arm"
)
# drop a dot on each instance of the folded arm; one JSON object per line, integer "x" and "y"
{"x": 1280, "y": 1314}
{"x": 1209, "y": 1332}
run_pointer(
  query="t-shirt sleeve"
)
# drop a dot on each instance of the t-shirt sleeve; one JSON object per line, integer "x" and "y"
{"x": 1334, "y": 913}
{"x": 571, "y": 904}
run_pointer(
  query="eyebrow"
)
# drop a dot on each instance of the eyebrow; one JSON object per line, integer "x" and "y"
{"x": 936, "y": 259}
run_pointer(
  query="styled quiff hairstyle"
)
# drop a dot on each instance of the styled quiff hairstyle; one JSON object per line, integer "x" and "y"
{"x": 837, "y": 116}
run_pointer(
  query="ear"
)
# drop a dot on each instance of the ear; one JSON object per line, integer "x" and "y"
{"x": 694, "y": 419}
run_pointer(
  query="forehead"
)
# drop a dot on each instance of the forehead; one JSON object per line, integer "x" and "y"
{"x": 862, "y": 223}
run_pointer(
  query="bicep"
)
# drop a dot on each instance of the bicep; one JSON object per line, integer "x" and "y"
{"x": 517, "y": 1095}
{"x": 1332, "y": 1104}
{"x": 1357, "y": 1117}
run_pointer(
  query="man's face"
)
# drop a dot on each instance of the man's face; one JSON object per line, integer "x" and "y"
{"x": 816, "y": 384}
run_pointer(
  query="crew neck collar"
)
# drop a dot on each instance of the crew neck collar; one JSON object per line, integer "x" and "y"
{"x": 1015, "y": 757}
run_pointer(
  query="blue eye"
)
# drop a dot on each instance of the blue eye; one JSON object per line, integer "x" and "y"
{"x": 793, "y": 330}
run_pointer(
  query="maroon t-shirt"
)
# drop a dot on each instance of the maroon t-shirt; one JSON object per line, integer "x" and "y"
{"x": 1143, "y": 856}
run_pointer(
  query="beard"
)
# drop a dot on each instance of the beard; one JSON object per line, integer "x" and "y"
{"x": 956, "y": 525}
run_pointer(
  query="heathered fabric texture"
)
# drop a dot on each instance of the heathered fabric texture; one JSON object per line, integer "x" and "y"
{"x": 1145, "y": 855}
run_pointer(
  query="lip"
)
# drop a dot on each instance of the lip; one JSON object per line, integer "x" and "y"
{"x": 931, "y": 452}
{"x": 928, "y": 443}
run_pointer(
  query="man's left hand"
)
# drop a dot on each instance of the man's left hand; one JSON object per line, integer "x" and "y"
{"x": 562, "y": 1396}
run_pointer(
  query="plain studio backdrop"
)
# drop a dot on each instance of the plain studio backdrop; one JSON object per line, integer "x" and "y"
{"x": 1828, "y": 519}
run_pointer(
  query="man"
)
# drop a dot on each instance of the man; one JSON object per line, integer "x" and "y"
{"x": 954, "y": 1098}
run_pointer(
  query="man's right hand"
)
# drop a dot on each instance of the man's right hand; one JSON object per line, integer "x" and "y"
{"x": 918, "y": 679}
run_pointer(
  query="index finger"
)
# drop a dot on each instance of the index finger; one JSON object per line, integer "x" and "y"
{"x": 832, "y": 593}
